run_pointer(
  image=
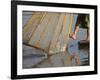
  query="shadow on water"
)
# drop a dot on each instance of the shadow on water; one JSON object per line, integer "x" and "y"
{"x": 84, "y": 52}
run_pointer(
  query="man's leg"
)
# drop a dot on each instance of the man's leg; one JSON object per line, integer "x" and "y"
{"x": 73, "y": 36}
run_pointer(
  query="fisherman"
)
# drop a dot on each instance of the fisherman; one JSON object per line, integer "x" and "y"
{"x": 82, "y": 22}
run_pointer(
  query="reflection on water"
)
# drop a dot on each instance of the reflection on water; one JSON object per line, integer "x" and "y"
{"x": 84, "y": 57}
{"x": 82, "y": 53}
{"x": 38, "y": 59}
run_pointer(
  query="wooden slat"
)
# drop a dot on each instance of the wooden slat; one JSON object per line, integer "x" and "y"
{"x": 50, "y": 33}
{"x": 40, "y": 30}
{"x": 56, "y": 33}
{"x": 47, "y": 38}
{"x": 31, "y": 25}
{"x": 62, "y": 39}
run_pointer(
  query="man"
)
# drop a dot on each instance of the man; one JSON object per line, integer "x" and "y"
{"x": 83, "y": 22}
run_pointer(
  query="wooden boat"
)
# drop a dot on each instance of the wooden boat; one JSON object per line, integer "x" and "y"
{"x": 48, "y": 31}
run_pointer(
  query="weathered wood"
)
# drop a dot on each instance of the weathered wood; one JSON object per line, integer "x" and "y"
{"x": 63, "y": 36}
{"x": 47, "y": 38}
{"x": 31, "y": 26}
{"x": 35, "y": 47}
{"x": 40, "y": 30}
{"x": 48, "y": 31}
{"x": 43, "y": 34}
{"x": 56, "y": 34}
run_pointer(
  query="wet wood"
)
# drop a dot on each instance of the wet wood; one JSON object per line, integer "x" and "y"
{"x": 35, "y": 39}
{"x": 56, "y": 34}
{"x": 45, "y": 40}
{"x": 31, "y": 26}
{"x": 35, "y": 47}
{"x": 63, "y": 36}
{"x": 48, "y": 31}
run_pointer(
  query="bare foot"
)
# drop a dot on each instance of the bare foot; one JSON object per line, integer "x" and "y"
{"x": 73, "y": 36}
